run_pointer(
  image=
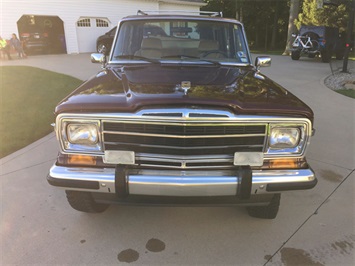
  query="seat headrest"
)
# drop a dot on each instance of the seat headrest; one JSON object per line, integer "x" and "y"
{"x": 151, "y": 43}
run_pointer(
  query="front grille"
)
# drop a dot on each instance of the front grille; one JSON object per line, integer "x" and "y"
{"x": 188, "y": 130}
{"x": 183, "y": 145}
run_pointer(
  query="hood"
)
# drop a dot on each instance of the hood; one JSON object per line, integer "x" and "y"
{"x": 131, "y": 88}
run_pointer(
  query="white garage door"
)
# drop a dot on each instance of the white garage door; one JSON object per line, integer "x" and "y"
{"x": 88, "y": 29}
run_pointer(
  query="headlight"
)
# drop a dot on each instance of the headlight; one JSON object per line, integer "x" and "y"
{"x": 281, "y": 138}
{"x": 82, "y": 134}
{"x": 288, "y": 139}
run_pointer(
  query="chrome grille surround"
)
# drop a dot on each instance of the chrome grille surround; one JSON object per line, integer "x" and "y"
{"x": 154, "y": 147}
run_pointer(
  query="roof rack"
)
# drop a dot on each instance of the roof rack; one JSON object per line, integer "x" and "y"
{"x": 200, "y": 13}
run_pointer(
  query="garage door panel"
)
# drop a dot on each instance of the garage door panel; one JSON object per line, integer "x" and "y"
{"x": 88, "y": 30}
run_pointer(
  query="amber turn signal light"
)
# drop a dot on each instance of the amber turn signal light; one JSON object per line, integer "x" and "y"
{"x": 81, "y": 159}
{"x": 284, "y": 163}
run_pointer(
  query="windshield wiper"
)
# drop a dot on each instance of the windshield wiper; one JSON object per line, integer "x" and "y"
{"x": 181, "y": 56}
{"x": 138, "y": 57}
{"x": 216, "y": 63}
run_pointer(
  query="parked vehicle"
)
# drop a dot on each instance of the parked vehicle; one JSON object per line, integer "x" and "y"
{"x": 181, "y": 118}
{"x": 104, "y": 42}
{"x": 34, "y": 40}
{"x": 318, "y": 40}
{"x": 304, "y": 44}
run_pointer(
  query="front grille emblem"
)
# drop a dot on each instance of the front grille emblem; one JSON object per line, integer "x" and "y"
{"x": 185, "y": 86}
{"x": 183, "y": 164}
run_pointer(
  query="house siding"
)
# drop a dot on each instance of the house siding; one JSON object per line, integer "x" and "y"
{"x": 71, "y": 11}
{"x": 178, "y": 7}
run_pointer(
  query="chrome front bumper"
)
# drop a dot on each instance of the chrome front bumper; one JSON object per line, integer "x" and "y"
{"x": 179, "y": 183}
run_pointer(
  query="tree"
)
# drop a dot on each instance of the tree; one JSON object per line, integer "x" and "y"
{"x": 226, "y": 6}
{"x": 265, "y": 21}
{"x": 294, "y": 10}
{"x": 329, "y": 15}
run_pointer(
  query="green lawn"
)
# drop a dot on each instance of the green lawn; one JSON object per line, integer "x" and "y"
{"x": 349, "y": 93}
{"x": 28, "y": 97}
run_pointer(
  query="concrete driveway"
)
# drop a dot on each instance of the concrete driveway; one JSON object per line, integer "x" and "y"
{"x": 315, "y": 227}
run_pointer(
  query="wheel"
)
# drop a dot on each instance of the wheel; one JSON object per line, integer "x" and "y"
{"x": 84, "y": 202}
{"x": 295, "y": 55}
{"x": 266, "y": 212}
{"x": 26, "y": 50}
{"x": 102, "y": 48}
{"x": 326, "y": 56}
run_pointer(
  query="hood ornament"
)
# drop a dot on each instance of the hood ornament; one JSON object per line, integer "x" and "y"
{"x": 185, "y": 86}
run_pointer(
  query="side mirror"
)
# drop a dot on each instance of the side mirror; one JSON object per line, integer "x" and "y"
{"x": 99, "y": 58}
{"x": 262, "y": 61}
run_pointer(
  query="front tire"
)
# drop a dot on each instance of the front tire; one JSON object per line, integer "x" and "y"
{"x": 266, "y": 212}
{"x": 295, "y": 55}
{"x": 102, "y": 48}
{"x": 326, "y": 54}
{"x": 325, "y": 57}
{"x": 84, "y": 202}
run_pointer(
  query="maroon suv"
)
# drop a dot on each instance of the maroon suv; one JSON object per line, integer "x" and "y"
{"x": 184, "y": 118}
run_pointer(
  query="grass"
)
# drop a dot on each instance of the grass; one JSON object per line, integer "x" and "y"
{"x": 350, "y": 93}
{"x": 28, "y": 97}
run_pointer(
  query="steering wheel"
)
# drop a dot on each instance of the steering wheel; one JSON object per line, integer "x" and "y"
{"x": 204, "y": 54}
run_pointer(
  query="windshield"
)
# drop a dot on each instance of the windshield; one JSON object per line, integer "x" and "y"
{"x": 183, "y": 40}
